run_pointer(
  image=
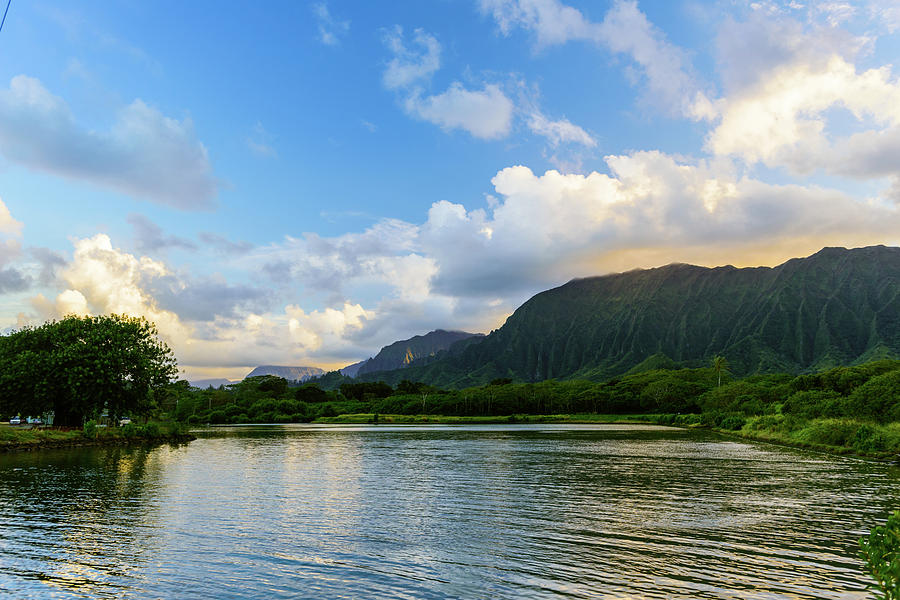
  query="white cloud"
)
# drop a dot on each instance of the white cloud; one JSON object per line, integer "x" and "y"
{"x": 464, "y": 268}
{"x": 793, "y": 89}
{"x": 560, "y": 131}
{"x": 145, "y": 153}
{"x": 485, "y": 114}
{"x": 8, "y": 224}
{"x": 330, "y": 29}
{"x": 410, "y": 67}
{"x": 624, "y": 30}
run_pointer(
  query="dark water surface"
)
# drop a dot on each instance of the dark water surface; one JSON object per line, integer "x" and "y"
{"x": 537, "y": 511}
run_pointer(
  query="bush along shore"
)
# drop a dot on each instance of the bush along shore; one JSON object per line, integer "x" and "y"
{"x": 19, "y": 438}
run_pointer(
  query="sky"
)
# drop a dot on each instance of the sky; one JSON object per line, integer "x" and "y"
{"x": 302, "y": 183}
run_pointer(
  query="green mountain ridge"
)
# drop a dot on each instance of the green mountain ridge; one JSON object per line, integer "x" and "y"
{"x": 403, "y": 353}
{"x": 836, "y": 307}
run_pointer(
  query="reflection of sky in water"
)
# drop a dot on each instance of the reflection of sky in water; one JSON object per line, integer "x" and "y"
{"x": 435, "y": 512}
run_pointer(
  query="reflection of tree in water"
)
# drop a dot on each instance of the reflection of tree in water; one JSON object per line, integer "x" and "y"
{"x": 81, "y": 521}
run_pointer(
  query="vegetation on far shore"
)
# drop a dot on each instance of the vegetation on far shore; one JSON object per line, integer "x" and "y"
{"x": 843, "y": 410}
{"x": 85, "y": 368}
{"x": 19, "y": 437}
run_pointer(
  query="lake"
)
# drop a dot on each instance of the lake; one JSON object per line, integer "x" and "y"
{"x": 517, "y": 511}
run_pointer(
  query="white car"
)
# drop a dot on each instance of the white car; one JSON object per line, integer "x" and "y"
{"x": 15, "y": 421}
{"x": 124, "y": 421}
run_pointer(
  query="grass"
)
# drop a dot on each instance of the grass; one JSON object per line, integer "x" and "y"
{"x": 835, "y": 436}
{"x": 13, "y": 437}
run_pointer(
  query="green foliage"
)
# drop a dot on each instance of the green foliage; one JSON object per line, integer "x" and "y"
{"x": 366, "y": 390}
{"x": 90, "y": 429}
{"x": 79, "y": 366}
{"x": 311, "y": 393}
{"x": 881, "y": 552}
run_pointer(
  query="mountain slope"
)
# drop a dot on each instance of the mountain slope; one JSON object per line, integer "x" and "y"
{"x": 289, "y": 373}
{"x": 835, "y": 307}
{"x": 401, "y": 354}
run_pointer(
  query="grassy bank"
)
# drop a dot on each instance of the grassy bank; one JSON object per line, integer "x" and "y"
{"x": 23, "y": 438}
{"x": 370, "y": 418}
{"x": 842, "y": 436}
{"x": 837, "y": 436}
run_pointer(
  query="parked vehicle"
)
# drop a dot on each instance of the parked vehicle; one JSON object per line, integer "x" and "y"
{"x": 124, "y": 421}
{"x": 15, "y": 421}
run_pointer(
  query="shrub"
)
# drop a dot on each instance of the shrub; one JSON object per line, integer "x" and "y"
{"x": 131, "y": 430}
{"x": 814, "y": 404}
{"x": 881, "y": 552}
{"x": 830, "y": 432}
{"x": 869, "y": 439}
{"x": 733, "y": 422}
{"x": 90, "y": 429}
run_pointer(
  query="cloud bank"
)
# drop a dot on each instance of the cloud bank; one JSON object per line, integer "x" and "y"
{"x": 144, "y": 153}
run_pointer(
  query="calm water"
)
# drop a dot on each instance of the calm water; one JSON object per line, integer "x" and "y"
{"x": 439, "y": 512}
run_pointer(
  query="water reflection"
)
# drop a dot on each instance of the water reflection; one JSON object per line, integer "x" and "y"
{"x": 439, "y": 512}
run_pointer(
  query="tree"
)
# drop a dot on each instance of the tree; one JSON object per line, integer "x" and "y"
{"x": 79, "y": 366}
{"x": 720, "y": 366}
{"x": 881, "y": 551}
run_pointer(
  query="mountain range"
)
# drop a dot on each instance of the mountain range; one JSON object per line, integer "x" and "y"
{"x": 836, "y": 307}
{"x": 289, "y": 373}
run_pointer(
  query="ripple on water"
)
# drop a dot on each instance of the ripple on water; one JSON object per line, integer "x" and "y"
{"x": 439, "y": 512}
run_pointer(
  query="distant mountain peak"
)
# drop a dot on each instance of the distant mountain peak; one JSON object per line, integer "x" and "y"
{"x": 289, "y": 373}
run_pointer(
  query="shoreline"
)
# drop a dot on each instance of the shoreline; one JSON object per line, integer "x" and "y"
{"x": 82, "y": 442}
{"x": 649, "y": 419}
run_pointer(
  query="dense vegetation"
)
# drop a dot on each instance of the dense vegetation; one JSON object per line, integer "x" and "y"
{"x": 857, "y": 408}
{"x": 881, "y": 552}
{"x": 837, "y": 307}
{"x": 80, "y": 366}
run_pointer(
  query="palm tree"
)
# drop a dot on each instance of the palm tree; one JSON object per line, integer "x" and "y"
{"x": 720, "y": 365}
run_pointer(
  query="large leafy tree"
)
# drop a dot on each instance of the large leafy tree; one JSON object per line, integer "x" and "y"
{"x": 78, "y": 366}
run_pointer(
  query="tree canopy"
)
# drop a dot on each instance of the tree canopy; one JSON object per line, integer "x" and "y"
{"x": 79, "y": 366}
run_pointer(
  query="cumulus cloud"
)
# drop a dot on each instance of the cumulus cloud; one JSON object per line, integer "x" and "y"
{"x": 330, "y": 29}
{"x": 10, "y": 244}
{"x": 791, "y": 84}
{"x": 341, "y": 298}
{"x": 208, "y": 322}
{"x": 144, "y": 153}
{"x": 8, "y": 224}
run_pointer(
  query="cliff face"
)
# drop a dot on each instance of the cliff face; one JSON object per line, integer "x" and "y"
{"x": 289, "y": 373}
{"x": 837, "y": 306}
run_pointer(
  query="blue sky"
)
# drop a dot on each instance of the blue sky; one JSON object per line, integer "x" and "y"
{"x": 303, "y": 183}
